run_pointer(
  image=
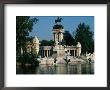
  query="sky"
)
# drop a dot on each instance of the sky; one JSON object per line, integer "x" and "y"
{"x": 43, "y": 28}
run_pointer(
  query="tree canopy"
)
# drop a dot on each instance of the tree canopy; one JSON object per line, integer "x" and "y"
{"x": 68, "y": 39}
{"x": 24, "y": 25}
{"x": 85, "y": 37}
{"x": 47, "y": 43}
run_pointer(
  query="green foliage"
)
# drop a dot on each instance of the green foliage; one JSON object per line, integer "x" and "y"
{"x": 47, "y": 43}
{"x": 68, "y": 39}
{"x": 24, "y": 25}
{"x": 28, "y": 58}
{"x": 85, "y": 37}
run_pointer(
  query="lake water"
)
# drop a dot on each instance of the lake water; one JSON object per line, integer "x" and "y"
{"x": 87, "y": 68}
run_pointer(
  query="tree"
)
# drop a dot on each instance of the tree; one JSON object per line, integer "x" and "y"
{"x": 85, "y": 37}
{"x": 24, "y": 25}
{"x": 51, "y": 43}
{"x": 47, "y": 43}
{"x": 68, "y": 39}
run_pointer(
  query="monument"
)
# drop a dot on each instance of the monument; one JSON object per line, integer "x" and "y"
{"x": 58, "y": 38}
{"x": 58, "y": 49}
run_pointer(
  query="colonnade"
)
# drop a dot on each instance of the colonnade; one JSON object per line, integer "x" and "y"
{"x": 74, "y": 52}
{"x": 49, "y": 52}
{"x": 46, "y": 53}
{"x": 58, "y": 36}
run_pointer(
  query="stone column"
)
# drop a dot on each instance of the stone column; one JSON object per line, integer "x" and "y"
{"x": 74, "y": 52}
{"x": 77, "y": 52}
{"x": 60, "y": 36}
{"x": 69, "y": 51}
{"x": 44, "y": 53}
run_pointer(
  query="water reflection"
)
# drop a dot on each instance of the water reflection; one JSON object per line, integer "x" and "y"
{"x": 87, "y": 68}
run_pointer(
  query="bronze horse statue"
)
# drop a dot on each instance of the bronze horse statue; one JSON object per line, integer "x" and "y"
{"x": 58, "y": 20}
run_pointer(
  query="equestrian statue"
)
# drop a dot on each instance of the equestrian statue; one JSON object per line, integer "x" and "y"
{"x": 58, "y": 20}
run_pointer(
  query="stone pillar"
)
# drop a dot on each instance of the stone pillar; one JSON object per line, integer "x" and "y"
{"x": 74, "y": 52}
{"x": 69, "y": 51}
{"x": 77, "y": 52}
{"x": 61, "y": 36}
{"x": 56, "y": 37}
{"x": 44, "y": 53}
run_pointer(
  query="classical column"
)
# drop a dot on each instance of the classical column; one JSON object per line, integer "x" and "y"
{"x": 69, "y": 51}
{"x": 57, "y": 36}
{"x": 77, "y": 52}
{"x": 44, "y": 53}
{"x": 60, "y": 37}
{"x": 74, "y": 52}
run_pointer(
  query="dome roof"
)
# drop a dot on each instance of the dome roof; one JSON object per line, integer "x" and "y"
{"x": 35, "y": 39}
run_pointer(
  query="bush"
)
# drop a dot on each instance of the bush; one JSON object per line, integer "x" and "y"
{"x": 28, "y": 58}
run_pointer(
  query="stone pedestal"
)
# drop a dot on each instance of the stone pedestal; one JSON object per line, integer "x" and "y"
{"x": 58, "y": 51}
